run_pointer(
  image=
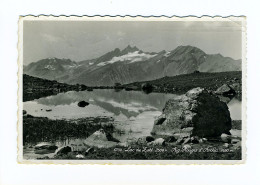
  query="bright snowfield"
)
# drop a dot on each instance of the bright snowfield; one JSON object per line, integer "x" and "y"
{"x": 131, "y": 57}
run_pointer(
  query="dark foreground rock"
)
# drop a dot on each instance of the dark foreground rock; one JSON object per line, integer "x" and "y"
{"x": 225, "y": 90}
{"x": 196, "y": 113}
{"x": 64, "y": 150}
{"x": 83, "y": 104}
{"x": 149, "y": 139}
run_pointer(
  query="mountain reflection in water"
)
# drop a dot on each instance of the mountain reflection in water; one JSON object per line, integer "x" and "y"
{"x": 128, "y": 103}
{"x": 134, "y": 111}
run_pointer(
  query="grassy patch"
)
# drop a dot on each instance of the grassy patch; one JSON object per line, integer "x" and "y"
{"x": 183, "y": 83}
{"x": 39, "y": 129}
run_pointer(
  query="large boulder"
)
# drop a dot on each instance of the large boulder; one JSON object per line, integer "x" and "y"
{"x": 196, "y": 113}
{"x": 101, "y": 139}
{"x": 225, "y": 90}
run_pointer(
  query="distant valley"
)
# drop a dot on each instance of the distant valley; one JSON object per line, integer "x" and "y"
{"x": 131, "y": 65}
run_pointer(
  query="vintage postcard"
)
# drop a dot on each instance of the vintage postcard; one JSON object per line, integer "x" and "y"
{"x": 132, "y": 90}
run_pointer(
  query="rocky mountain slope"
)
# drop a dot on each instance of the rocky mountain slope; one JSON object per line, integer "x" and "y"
{"x": 131, "y": 64}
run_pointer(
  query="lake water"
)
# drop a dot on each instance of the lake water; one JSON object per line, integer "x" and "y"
{"x": 134, "y": 111}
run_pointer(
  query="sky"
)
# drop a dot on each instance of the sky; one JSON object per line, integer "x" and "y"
{"x": 82, "y": 40}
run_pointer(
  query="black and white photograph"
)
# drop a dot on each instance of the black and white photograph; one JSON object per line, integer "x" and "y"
{"x": 131, "y": 90}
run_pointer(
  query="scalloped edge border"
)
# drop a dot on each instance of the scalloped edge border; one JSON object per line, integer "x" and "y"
{"x": 42, "y": 17}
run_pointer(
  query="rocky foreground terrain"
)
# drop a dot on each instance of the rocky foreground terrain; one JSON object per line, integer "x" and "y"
{"x": 194, "y": 125}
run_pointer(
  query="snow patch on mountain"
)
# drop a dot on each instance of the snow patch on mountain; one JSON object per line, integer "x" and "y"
{"x": 167, "y": 54}
{"x": 50, "y": 67}
{"x": 132, "y": 57}
{"x": 71, "y": 66}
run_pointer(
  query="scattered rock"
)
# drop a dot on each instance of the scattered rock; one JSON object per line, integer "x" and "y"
{"x": 83, "y": 104}
{"x": 235, "y": 79}
{"x": 236, "y": 86}
{"x": 237, "y": 145}
{"x": 225, "y": 138}
{"x": 226, "y": 145}
{"x": 194, "y": 140}
{"x": 89, "y": 150}
{"x": 101, "y": 139}
{"x": 149, "y": 139}
{"x": 225, "y": 90}
{"x": 125, "y": 144}
{"x": 48, "y": 110}
{"x": 80, "y": 156}
{"x": 233, "y": 141}
{"x": 201, "y": 141}
{"x": 204, "y": 113}
{"x": 170, "y": 139}
{"x": 186, "y": 147}
{"x": 225, "y": 99}
{"x": 24, "y": 112}
{"x": 159, "y": 141}
{"x": 187, "y": 140}
{"x": 180, "y": 141}
{"x": 64, "y": 150}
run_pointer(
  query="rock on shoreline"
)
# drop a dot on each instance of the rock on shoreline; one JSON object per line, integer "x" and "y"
{"x": 196, "y": 113}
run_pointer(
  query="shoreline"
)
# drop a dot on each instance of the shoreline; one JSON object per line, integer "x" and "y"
{"x": 126, "y": 150}
{"x": 35, "y": 88}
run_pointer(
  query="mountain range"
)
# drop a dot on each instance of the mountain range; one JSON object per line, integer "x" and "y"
{"x": 130, "y": 65}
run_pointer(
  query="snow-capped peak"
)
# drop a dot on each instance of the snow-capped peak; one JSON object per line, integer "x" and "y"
{"x": 131, "y": 57}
